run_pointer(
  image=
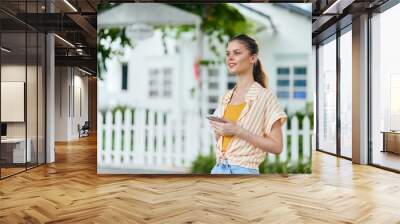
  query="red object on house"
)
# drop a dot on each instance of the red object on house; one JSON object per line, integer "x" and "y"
{"x": 196, "y": 68}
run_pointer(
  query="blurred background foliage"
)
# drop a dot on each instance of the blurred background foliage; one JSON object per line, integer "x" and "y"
{"x": 204, "y": 164}
{"x": 218, "y": 22}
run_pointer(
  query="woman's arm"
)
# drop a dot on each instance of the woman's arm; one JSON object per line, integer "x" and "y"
{"x": 271, "y": 143}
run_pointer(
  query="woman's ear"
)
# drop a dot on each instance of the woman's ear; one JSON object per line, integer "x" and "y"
{"x": 253, "y": 59}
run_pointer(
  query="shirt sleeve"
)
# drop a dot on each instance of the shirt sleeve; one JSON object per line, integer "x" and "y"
{"x": 273, "y": 112}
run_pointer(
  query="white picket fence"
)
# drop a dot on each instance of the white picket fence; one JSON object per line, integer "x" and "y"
{"x": 154, "y": 141}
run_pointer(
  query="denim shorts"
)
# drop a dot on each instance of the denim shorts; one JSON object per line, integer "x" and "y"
{"x": 225, "y": 168}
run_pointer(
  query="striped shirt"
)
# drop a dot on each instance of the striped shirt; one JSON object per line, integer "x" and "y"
{"x": 262, "y": 110}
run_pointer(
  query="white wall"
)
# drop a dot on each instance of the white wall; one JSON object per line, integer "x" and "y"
{"x": 140, "y": 60}
{"x": 71, "y": 93}
{"x": 79, "y": 117}
{"x": 61, "y": 103}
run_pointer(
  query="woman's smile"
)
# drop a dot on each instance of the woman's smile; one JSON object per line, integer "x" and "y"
{"x": 231, "y": 64}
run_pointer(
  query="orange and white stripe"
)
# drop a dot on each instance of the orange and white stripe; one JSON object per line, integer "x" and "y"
{"x": 262, "y": 110}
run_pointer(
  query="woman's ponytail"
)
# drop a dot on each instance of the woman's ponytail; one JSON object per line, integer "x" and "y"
{"x": 259, "y": 75}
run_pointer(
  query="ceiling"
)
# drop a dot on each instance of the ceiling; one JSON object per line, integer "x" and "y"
{"x": 76, "y": 21}
{"x": 332, "y": 15}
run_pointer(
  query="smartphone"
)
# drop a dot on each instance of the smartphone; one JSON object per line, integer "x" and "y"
{"x": 214, "y": 118}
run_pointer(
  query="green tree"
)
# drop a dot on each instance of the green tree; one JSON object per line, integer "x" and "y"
{"x": 217, "y": 22}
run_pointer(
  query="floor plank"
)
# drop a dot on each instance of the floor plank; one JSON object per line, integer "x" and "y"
{"x": 70, "y": 191}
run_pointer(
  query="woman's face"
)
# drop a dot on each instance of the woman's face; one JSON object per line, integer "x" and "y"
{"x": 238, "y": 58}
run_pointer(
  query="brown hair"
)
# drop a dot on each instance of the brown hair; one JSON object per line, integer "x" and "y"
{"x": 259, "y": 74}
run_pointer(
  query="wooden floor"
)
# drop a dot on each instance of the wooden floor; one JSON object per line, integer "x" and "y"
{"x": 70, "y": 191}
{"x": 10, "y": 171}
{"x": 387, "y": 159}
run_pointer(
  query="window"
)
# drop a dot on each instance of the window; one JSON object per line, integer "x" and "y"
{"x": 124, "y": 76}
{"x": 301, "y": 82}
{"x": 385, "y": 87}
{"x": 283, "y": 94}
{"x": 153, "y": 82}
{"x": 327, "y": 97}
{"x": 18, "y": 45}
{"x": 153, "y": 93}
{"x": 231, "y": 85}
{"x": 300, "y": 70}
{"x": 284, "y": 82}
{"x": 167, "y": 71}
{"x": 213, "y": 85}
{"x": 292, "y": 85}
{"x": 299, "y": 95}
{"x": 346, "y": 94}
{"x": 167, "y": 93}
{"x": 213, "y": 99}
{"x": 282, "y": 71}
{"x": 160, "y": 82}
{"x": 212, "y": 72}
{"x": 167, "y": 82}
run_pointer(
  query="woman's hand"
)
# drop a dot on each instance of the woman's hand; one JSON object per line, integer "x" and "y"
{"x": 271, "y": 143}
{"x": 226, "y": 128}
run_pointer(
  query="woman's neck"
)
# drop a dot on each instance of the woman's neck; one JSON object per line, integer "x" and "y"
{"x": 244, "y": 81}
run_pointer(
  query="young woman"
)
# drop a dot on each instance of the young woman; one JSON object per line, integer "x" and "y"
{"x": 252, "y": 117}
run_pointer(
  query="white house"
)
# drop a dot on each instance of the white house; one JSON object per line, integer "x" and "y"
{"x": 148, "y": 77}
{"x": 162, "y": 78}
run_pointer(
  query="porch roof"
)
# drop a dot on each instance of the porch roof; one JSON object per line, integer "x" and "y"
{"x": 148, "y": 13}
